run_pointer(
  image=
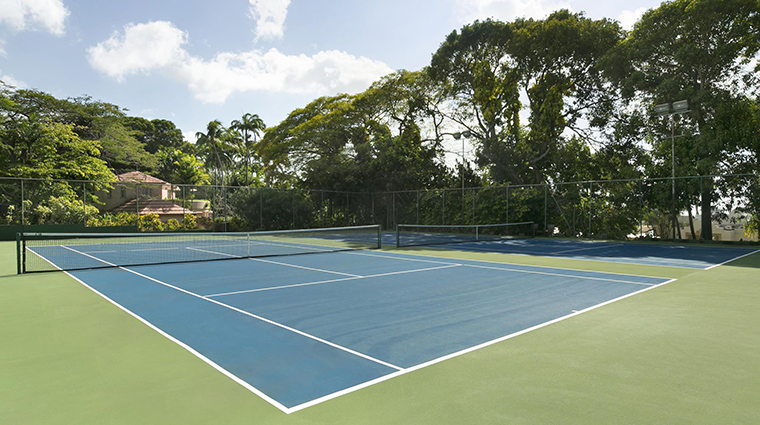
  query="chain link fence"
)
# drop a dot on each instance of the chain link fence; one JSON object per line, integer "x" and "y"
{"x": 611, "y": 209}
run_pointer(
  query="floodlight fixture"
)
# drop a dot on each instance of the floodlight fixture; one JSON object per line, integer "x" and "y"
{"x": 662, "y": 109}
{"x": 680, "y": 106}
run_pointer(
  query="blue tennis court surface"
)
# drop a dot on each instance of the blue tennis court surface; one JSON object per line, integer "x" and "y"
{"x": 684, "y": 256}
{"x": 300, "y": 330}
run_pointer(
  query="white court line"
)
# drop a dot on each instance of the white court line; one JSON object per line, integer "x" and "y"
{"x": 332, "y": 280}
{"x": 304, "y": 267}
{"x": 559, "y": 274}
{"x": 399, "y": 256}
{"x": 263, "y": 319}
{"x": 585, "y": 249}
{"x": 465, "y": 351}
{"x": 733, "y": 259}
{"x": 214, "y": 252}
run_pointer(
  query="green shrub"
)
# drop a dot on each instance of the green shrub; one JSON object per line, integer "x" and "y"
{"x": 150, "y": 223}
{"x": 173, "y": 225}
{"x": 188, "y": 222}
{"x": 62, "y": 210}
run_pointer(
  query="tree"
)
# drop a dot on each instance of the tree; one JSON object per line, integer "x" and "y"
{"x": 179, "y": 167}
{"x": 251, "y": 126}
{"x": 701, "y": 51}
{"x": 90, "y": 120}
{"x": 555, "y": 63}
{"x": 212, "y": 147}
{"x": 367, "y": 142}
{"x": 156, "y": 134}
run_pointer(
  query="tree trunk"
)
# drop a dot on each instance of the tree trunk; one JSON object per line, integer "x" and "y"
{"x": 691, "y": 225}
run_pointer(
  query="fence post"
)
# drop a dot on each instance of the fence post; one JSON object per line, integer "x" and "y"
{"x": 590, "y": 191}
{"x": 293, "y": 208}
{"x": 84, "y": 203}
{"x": 546, "y": 224}
{"x": 473, "y": 205}
{"x": 443, "y": 208}
{"x": 418, "y": 206}
{"x": 23, "y": 209}
{"x": 507, "y": 190}
{"x": 261, "y": 208}
{"x": 137, "y": 205}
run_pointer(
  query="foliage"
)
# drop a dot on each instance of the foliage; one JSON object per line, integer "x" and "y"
{"x": 188, "y": 222}
{"x": 110, "y": 220}
{"x": 244, "y": 134}
{"x": 178, "y": 167}
{"x": 173, "y": 225}
{"x": 157, "y": 134}
{"x": 347, "y": 143}
{"x": 62, "y": 210}
{"x": 283, "y": 209}
{"x": 150, "y": 223}
{"x": 556, "y": 62}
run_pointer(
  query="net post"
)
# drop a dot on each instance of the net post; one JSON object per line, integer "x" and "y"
{"x": 397, "y": 237}
{"x": 18, "y": 253}
{"x": 379, "y": 237}
{"x": 477, "y": 233}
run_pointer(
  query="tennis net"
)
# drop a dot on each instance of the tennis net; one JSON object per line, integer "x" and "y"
{"x": 38, "y": 252}
{"x": 418, "y": 235}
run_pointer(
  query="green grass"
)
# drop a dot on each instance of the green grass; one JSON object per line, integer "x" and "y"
{"x": 687, "y": 352}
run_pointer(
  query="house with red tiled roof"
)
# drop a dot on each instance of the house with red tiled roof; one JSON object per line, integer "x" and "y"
{"x": 137, "y": 192}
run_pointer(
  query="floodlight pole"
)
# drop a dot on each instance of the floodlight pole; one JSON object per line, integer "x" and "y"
{"x": 673, "y": 173}
{"x": 679, "y": 107}
{"x": 461, "y": 135}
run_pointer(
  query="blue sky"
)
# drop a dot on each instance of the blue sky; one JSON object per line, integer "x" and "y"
{"x": 195, "y": 61}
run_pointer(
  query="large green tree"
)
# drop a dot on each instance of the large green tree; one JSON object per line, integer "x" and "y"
{"x": 701, "y": 51}
{"x": 489, "y": 68}
{"x": 367, "y": 142}
{"x": 156, "y": 134}
{"x": 91, "y": 120}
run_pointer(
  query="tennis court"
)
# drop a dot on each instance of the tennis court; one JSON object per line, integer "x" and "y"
{"x": 690, "y": 256}
{"x": 298, "y": 330}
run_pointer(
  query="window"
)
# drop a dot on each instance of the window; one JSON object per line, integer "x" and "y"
{"x": 123, "y": 192}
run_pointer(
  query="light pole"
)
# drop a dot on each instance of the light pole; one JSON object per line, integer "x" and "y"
{"x": 463, "y": 135}
{"x": 662, "y": 110}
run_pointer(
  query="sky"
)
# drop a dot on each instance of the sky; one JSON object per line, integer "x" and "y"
{"x": 192, "y": 61}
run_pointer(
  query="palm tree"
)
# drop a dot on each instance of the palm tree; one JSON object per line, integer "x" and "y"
{"x": 208, "y": 144}
{"x": 249, "y": 125}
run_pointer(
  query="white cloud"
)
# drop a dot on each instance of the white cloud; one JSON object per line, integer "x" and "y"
{"x": 158, "y": 46}
{"x": 142, "y": 47}
{"x": 270, "y": 17}
{"x": 9, "y": 80}
{"x": 22, "y": 15}
{"x": 628, "y": 18}
{"x": 189, "y": 136}
{"x": 508, "y": 10}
